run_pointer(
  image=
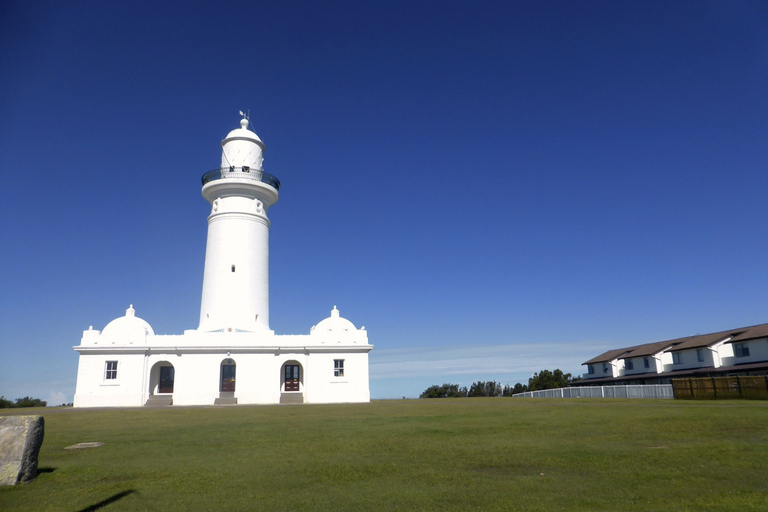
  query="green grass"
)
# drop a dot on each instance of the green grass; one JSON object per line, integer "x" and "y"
{"x": 410, "y": 455}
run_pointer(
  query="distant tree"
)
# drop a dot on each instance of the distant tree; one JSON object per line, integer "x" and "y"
{"x": 28, "y": 401}
{"x": 480, "y": 388}
{"x": 22, "y": 402}
{"x": 444, "y": 391}
{"x": 519, "y": 388}
{"x": 546, "y": 379}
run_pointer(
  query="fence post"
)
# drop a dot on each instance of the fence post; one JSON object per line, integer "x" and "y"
{"x": 738, "y": 381}
{"x": 690, "y": 385}
{"x": 714, "y": 387}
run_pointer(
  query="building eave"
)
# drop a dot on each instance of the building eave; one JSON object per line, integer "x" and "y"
{"x": 239, "y": 349}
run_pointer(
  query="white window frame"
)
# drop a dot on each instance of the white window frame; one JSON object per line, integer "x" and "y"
{"x": 590, "y": 369}
{"x": 677, "y": 358}
{"x": 110, "y": 370}
{"x": 338, "y": 367}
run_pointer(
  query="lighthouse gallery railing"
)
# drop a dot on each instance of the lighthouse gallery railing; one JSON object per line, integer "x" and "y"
{"x": 243, "y": 173}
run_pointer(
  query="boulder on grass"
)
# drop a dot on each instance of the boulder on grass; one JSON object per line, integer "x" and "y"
{"x": 20, "y": 441}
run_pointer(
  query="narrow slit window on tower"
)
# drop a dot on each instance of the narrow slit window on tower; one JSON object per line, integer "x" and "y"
{"x": 233, "y": 268}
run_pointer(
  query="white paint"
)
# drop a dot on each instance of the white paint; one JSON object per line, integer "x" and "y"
{"x": 716, "y": 355}
{"x": 234, "y": 319}
{"x": 758, "y": 351}
{"x": 236, "y": 276}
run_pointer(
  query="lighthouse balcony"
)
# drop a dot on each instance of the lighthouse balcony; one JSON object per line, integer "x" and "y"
{"x": 241, "y": 173}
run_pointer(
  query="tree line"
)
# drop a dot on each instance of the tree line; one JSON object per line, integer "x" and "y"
{"x": 544, "y": 379}
{"x": 27, "y": 401}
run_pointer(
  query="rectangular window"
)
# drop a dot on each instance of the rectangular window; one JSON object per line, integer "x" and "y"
{"x": 605, "y": 367}
{"x": 590, "y": 369}
{"x": 629, "y": 365}
{"x": 647, "y": 362}
{"x": 700, "y": 355}
{"x": 111, "y": 371}
{"x": 740, "y": 350}
{"x": 338, "y": 367}
{"x": 677, "y": 358}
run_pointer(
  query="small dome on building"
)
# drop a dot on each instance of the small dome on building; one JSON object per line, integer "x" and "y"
{"x": 128, "y": 328}
{"x": 334, "y": 323}
{"x": 242, "y": 148}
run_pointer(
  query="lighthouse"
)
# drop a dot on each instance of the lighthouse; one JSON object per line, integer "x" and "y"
{"x": 233, "y": 357}
{"x": 236, "y": 277}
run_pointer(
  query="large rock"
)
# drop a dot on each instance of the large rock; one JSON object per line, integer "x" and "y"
{"x": 20, "y": 441}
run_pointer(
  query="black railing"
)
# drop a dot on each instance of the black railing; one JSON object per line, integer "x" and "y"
{"x": 242, "y": 173}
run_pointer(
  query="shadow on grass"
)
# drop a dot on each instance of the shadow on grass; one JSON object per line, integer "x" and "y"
{"x": 107, "y": 501}
{"x": 40, "y": 471}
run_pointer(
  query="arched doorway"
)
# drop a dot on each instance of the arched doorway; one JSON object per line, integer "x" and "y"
{"x": 161, "y": 383}
{"x": 226, "y": 383}
{"x": 161, "y": 378}
{"x": 291, "y": 383}
{"x": 227, "y": 379}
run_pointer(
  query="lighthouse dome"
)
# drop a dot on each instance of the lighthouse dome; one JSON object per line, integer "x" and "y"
{"x": 128, "y": 328}
{"x": 334, "y": 323}
{"x": 242, "y": 148}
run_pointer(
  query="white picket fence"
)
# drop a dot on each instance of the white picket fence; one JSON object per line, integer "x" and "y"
{"x": 628, "y": 391}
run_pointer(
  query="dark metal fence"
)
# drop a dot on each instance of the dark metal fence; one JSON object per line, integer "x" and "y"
{"x": 713, "y": 388}
{"x": 243, "y": 173}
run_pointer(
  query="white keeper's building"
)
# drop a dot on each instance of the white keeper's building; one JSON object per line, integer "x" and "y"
{"x": 233, "y": 357}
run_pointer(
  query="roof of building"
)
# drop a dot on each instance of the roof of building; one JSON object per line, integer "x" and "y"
{"x": 650, "y": 349}
{"x": 610, "y": 355}
{"x": 647, "y": 349}
{"x": 688, "y": 342}
{"x": 729, "y": 336}
{"x": 334, "y": 323}
{"x": 243, "y": 133}
{"x": 128, "y": 328}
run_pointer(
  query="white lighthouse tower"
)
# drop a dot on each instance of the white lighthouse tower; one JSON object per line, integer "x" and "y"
{"x": 236, "y": 277}
{"x": 233, "y": 357}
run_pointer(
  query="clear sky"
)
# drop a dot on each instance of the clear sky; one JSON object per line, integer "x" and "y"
{"x": 491, "y": 187}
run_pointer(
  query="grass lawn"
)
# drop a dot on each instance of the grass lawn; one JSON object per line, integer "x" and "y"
{"x": 441, "y": 454}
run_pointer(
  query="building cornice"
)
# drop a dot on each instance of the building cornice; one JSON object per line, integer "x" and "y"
{"x": 134, "y": 349}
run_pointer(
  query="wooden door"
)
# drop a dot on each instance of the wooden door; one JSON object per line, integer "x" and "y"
{"x": 227, "y": 377}
{"x": 166, "y": 379}
{"x": 292, "y": 377}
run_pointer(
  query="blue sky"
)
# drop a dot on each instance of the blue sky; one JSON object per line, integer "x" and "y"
{"x": 491, "y": 188}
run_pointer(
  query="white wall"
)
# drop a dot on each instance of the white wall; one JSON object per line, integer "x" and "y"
{"x": 94, "y": 390}
{"x": 758, "y": 351}
{"x": 197, "y": 375}
{"x": 615, "y": 368}
{"x": 639, "y": 365}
